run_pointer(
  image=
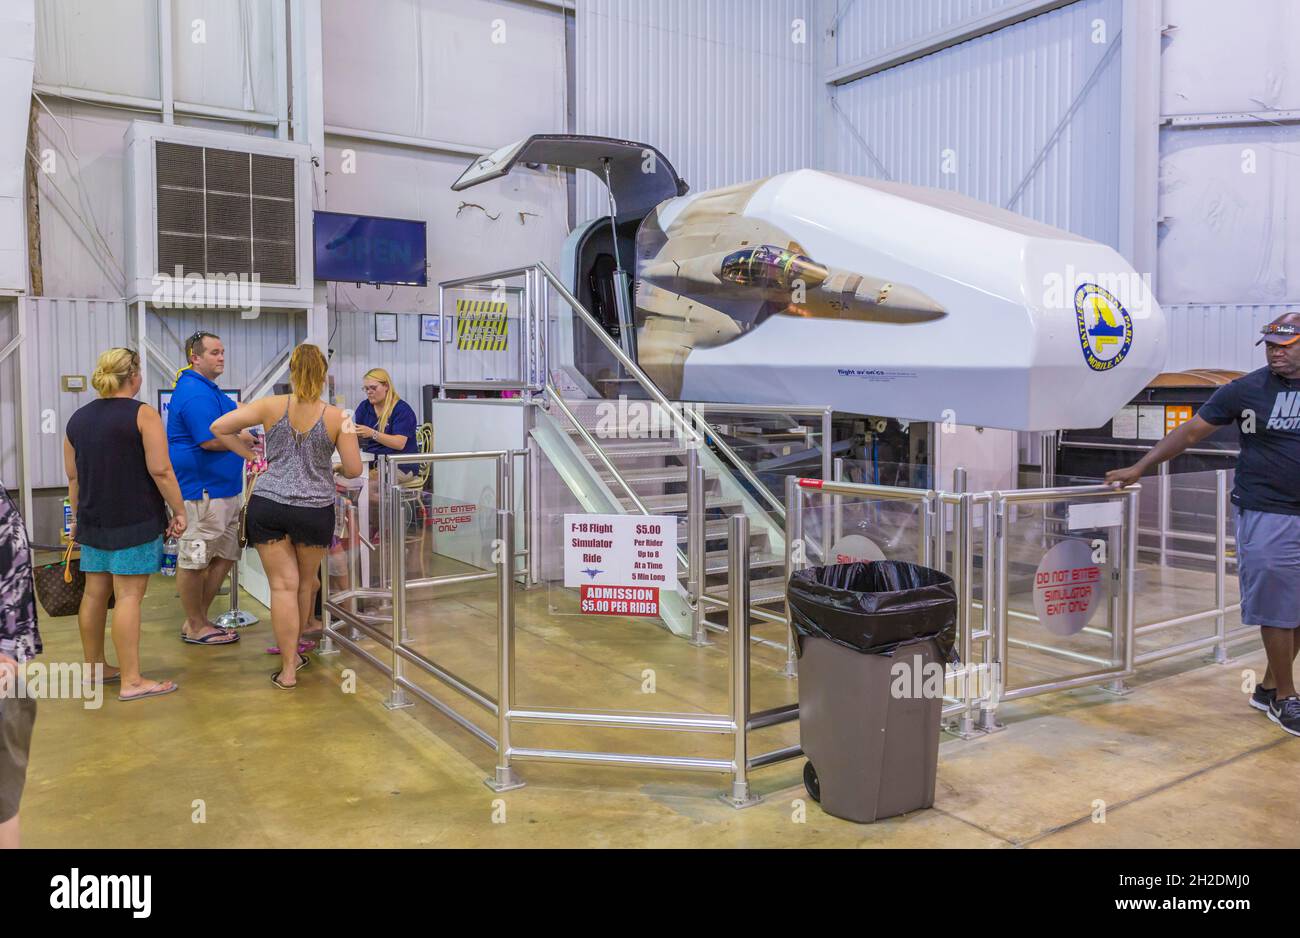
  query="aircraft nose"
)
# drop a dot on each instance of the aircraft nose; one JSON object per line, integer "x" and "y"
{"x": 896, "y": 296}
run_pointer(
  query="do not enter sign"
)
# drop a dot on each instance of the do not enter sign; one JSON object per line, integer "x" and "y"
{"x": 1067, "y": 588}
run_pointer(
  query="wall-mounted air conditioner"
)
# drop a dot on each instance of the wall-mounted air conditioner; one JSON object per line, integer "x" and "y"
{"x": 217, "y": 220}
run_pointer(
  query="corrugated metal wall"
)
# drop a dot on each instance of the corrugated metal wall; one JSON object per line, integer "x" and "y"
{"x": 721, "y": 87}
{"x": 65, "y": 337}
{"x": 869, "y": 27}
{"x": 251, "y": 344}
{"x": 976, "y": 118}
{"x": 1218, "y": 336}
{"x": 411, "y": 363}
{"x": 1230, "y": 240}
{"x": 8, "y": 397}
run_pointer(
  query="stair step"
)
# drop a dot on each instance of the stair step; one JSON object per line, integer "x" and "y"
{"x": 718, "y": 561}
{"x": 626, "y": 449}
{"x": 761, "y": 592}
{"x": 652, "y": 476}
{"x": 676, "y": 502}
{"x": 716, "y": 530}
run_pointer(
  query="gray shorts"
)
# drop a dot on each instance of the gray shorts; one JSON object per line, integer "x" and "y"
{"x": 1268, "y": 563}
{"x": 17, "y": 714}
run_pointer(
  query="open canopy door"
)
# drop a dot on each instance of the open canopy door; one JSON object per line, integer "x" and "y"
{"x": 639, "y": 175}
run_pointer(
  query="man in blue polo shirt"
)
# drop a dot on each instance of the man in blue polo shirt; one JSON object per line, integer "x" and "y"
{"x": 1265, "y": 406}
{"x": 212, "y": 482}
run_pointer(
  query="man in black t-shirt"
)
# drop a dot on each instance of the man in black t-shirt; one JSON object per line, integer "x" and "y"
{"x": 1265, "y": 405}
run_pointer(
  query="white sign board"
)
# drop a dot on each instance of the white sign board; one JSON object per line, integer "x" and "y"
{"x": 1151, "y": 422}
{"x": 620, "y": 562}
{"x": 1096, "y": 515}
{"x": 1125, "y": 424}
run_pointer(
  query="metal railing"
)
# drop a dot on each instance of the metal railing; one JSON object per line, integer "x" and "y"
{"x": 738, "y": 721}
{"x": 978, "y": 688}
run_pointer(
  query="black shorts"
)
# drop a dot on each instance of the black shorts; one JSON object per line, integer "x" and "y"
{"x": 271, "y": 521}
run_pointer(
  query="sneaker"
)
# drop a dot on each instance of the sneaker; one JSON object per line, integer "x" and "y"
{"x": 1263, "y": 698}
{"x": 1286, "y": 714}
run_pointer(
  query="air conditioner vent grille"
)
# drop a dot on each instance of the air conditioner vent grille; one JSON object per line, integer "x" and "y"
{"x": 223, "y": 212}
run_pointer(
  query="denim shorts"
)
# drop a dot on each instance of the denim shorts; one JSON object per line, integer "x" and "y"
{"x": 1268, "y": 564}
{"x": 129, "y": 561}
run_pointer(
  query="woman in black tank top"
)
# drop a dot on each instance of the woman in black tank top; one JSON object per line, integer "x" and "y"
{"x": 120, "y": 482}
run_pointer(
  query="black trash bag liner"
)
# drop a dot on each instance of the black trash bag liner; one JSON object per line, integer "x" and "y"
{"x": 874, "y": 608}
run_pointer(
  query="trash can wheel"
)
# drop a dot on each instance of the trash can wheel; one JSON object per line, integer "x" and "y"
{"x": 811, "y": 782}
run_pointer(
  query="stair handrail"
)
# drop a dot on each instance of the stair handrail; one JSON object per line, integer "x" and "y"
{"x": 553, "y": 395}
{"x": 694, "y": 436}
{"x": 748, "y": 474}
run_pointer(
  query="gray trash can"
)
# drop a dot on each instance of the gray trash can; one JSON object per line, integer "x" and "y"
{"x": 872, "y": 642}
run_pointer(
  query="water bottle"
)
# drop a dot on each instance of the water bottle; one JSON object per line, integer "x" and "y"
{"x": 170, "y": 551}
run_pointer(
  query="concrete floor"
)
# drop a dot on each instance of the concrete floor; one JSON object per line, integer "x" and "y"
{"x": 1180, "y": 762}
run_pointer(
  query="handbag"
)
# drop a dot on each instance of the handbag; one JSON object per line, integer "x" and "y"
{"x": 60, "y": 586}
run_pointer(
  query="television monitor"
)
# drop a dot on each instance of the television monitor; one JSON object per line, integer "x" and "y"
{"x": 368, "y": 249}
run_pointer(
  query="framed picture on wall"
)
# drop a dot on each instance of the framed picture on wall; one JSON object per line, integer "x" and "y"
{"x": 430, "y": 327}
{"x": 385, "y": 327}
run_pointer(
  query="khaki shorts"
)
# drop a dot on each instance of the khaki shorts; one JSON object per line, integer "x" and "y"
{"x": 17, "y": 714}
{"x": 213, "y": 532}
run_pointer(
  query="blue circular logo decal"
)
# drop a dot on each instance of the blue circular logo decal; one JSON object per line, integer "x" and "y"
{"x": 1105, "y": 327}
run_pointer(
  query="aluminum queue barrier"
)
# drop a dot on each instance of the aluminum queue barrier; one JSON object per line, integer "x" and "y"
{"x": 1001, "y": 658}
{"x": 345, "y": 626}
{"x": 981, "y": 539}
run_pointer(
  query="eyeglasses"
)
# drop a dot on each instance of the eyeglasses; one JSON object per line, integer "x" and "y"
{"x": 369, "y": 387}
{"x": 195, "y": 339}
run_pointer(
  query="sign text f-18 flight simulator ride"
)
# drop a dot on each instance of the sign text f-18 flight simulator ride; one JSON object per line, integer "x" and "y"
{"x": 619, "y": 563}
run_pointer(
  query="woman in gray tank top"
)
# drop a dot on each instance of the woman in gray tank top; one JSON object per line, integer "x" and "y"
{"x": 290, "y": 514}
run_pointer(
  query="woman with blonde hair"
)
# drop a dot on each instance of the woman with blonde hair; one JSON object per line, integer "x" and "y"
{"x": 290, "y": 514}
{"x": 120, "y": 484}
{"x": 385, "y": 422}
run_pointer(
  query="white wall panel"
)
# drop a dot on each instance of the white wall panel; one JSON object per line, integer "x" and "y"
{"x": 988, "y": 107}
{"x": 1231, "y": 57}
{"x": 1223, "y": 336}
{"x": 1229, "y": 253}
{"x": 99, "y": 45}
{"x": 17, "y": 49}
{"x": 411, "y": 363}
{"x": 869, "y": 27}
{"x": 1230, "y": 198}
{"x": 66, "y": 338}
{"x": 719, "y": 86}
{"x": 251, "y": 344}
{"x": 432, "y": 69}
{"x": 9, "y": 438}
{"x": 82, "y": 202}
{"x": 404, "y": 183}
{"x": 236, "y": 63}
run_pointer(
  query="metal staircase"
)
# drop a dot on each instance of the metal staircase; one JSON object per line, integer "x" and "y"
{"x": 615, "y": 465}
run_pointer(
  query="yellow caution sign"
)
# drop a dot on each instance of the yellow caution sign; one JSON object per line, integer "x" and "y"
{"x": 481, "y": 326}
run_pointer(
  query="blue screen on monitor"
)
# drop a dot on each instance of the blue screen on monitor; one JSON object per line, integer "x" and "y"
{"x": 364, "y": 249}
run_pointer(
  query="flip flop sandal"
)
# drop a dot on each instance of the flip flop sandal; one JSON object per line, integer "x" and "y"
{"x": 303, "y": 662}
{"x": 115, "y": 679}
{"x": 275, "y": 679}
{"x": 160, "y": 691}
{"x": 303, "y": 648}
{"x": 213, "y": 638}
